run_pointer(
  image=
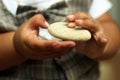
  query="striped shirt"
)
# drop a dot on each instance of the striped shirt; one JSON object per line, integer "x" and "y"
{"x": 73, "y": 66}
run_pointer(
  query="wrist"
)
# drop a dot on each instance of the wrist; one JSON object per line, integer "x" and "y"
{"x": 9, "y": 57}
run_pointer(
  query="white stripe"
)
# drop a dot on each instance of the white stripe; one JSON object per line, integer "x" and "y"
{"x": 99, "y": 7}
{"x": 11, "y": 5}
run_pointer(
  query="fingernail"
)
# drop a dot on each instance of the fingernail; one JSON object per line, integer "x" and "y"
{"x": 71, "y": 17}
{"x": 71, "y": 25}
{"x": 46, "y": 23}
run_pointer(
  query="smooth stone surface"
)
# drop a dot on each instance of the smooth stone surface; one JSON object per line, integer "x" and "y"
{"x": 60, "y": 30}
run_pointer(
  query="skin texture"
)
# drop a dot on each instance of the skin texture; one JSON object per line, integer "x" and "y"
{"x": 105, "y": 40}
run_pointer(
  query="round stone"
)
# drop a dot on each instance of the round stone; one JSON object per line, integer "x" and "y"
{"x": 62, "y": 31}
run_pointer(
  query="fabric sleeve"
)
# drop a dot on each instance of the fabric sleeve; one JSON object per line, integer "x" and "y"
{"x": 7, "y": 21}
{"x": 99, "y": 7}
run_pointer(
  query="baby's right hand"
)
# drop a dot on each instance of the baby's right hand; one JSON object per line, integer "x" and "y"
{"x": 28, "y": 44}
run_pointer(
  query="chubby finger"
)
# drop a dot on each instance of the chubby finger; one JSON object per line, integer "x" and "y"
{"x": 39, "y": 44}
{"x": 76, "y": 16}
{"x": 38, "y": 21}
{"x": 35, "y": 43}
{"x": 101, "y": 38}
{"x": 82, "y": 15}
{"x": 64, "y": 45}
{"x": 79, "y": 15}
{"x": 70, "y": 18}
{"x": 88, "y": 24}
{"x": 94, "y": 28}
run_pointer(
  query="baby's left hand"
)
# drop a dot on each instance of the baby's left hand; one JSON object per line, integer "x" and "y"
{"x": 95, "y": 47}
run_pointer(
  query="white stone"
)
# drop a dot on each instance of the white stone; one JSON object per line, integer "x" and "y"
{"x": 62, "y": 31}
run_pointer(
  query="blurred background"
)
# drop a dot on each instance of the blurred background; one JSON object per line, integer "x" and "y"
{"x": 110, "y": 69}
{"x": 115, "y": 11}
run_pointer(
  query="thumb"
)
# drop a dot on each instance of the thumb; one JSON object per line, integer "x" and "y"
{"x": 38, "y": 21}
{"x": 101, "y": 38}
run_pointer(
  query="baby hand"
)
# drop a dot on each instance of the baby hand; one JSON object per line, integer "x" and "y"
{"x": 28, "y": 44}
